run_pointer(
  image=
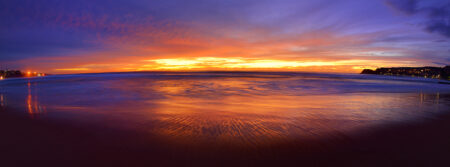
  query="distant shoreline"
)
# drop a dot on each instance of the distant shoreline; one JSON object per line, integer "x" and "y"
{"x": 4, "y": 74}
{"x": 425, "y": 72}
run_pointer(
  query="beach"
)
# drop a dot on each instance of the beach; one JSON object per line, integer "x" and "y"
{"x": 224, "y": 119}
{"x": 27, "y": 142}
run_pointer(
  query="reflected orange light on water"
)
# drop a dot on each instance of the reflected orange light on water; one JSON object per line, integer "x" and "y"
{"x": 33, "y": 105}
{"x": 245, "y": 111}
{"x": 2, "y": 101}
{"x": 253, "y": 120}
{"x": 239, "y": 109}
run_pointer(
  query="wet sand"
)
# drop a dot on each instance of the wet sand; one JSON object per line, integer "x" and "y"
{"x": 40, "y": 142}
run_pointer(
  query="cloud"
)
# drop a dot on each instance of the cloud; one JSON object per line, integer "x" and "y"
{"x": 439, "y": 20}
{"x": 441, "y": 64}
{"x": 437, "y": 14}
{"x": 24, "y": 43}
{"x": 408, "y": 7}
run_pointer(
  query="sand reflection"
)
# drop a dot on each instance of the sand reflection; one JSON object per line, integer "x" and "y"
{"x": 262, "y": 111}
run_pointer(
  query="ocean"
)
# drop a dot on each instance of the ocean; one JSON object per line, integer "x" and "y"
{"x": 218, "y": 109}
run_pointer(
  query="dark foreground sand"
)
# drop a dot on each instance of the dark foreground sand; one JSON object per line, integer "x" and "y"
{"x": 37, "y": 142}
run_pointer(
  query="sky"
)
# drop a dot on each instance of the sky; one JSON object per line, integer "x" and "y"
{"x": 344, "y": 36}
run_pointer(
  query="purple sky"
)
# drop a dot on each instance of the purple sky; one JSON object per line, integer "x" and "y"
{"x": 127, "y": 35}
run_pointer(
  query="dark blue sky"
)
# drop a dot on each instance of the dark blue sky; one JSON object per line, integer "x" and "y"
{"x": 62, "y": 36}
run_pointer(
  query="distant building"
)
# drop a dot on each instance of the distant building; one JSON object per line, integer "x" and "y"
{"x": 426, "y": 72}
{"x": 10, "y": 73}
{"x": 16, "y": 73}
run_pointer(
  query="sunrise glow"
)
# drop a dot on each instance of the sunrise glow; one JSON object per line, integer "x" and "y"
{"x": 343, "y": 38}
{"x": 244, "y": 63}
{"x": 237, "y": 64}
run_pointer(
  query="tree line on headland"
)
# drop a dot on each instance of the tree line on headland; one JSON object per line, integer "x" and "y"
{"x": 426, "y": 72}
